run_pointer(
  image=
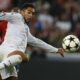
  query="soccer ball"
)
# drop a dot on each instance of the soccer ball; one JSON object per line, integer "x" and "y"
{"x": 70, "y": 43}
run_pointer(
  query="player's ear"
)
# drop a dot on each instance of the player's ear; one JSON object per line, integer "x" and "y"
{"x": 22, "y": 12}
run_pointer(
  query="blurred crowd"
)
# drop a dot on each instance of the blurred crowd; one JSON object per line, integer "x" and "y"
{"x": 53, "y": 20}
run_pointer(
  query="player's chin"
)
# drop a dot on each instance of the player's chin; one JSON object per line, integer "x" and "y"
{"x": 29, "y": 19}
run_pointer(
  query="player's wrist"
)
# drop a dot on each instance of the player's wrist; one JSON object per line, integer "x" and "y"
{"x": 55, "y": 50}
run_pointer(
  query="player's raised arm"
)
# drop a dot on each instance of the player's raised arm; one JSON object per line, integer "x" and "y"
{"x": 39, "y": 43}
{"x": 10, "y": 16}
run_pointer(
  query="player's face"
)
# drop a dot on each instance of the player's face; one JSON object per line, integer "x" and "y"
{"x": 28, "y": 13}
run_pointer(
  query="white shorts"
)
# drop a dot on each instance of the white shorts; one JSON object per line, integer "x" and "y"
{"x": 4, "y": 51}
{"x": 10, "y": 71}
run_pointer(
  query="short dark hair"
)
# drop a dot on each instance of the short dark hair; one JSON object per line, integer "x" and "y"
{"x": 26, "y": 5}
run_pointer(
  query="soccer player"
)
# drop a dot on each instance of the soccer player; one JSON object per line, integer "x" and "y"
{"x": 17, "y": 36}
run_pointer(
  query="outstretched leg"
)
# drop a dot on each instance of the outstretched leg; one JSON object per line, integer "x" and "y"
{"x": 14, "y": 58}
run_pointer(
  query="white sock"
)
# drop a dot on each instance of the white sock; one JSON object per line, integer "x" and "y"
{"x": 1, "y": 66}
{"x": 12, "y": 60}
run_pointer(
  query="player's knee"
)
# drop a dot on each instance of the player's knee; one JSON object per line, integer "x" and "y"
{"x": 24, "y": 57}
{"x": 21, "y": 55}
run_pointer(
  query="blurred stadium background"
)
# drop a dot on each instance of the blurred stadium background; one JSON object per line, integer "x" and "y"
{"x": 54, "y": 19}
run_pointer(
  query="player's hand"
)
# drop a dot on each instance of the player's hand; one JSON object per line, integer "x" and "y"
{"x": 61, "y": 51}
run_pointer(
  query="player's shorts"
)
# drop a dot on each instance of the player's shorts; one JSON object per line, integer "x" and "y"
{"x": 7, "y": 71}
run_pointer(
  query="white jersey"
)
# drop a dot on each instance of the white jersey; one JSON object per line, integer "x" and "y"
{"x": 18, "y": 34}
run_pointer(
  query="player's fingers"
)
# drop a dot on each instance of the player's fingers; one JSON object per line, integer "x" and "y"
{"x": 62, "y": 54}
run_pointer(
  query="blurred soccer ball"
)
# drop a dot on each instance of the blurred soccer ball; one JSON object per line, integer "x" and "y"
{"x": 70, "y": 43}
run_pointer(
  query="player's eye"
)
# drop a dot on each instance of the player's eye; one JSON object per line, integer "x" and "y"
{"x": 29, "y": 12}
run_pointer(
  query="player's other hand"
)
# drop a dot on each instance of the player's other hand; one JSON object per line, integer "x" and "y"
{"x": 61, "y": 51}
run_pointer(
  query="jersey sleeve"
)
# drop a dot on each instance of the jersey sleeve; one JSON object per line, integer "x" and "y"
{"x": 11, "y": 17}
{"x": 39, "y": 43}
